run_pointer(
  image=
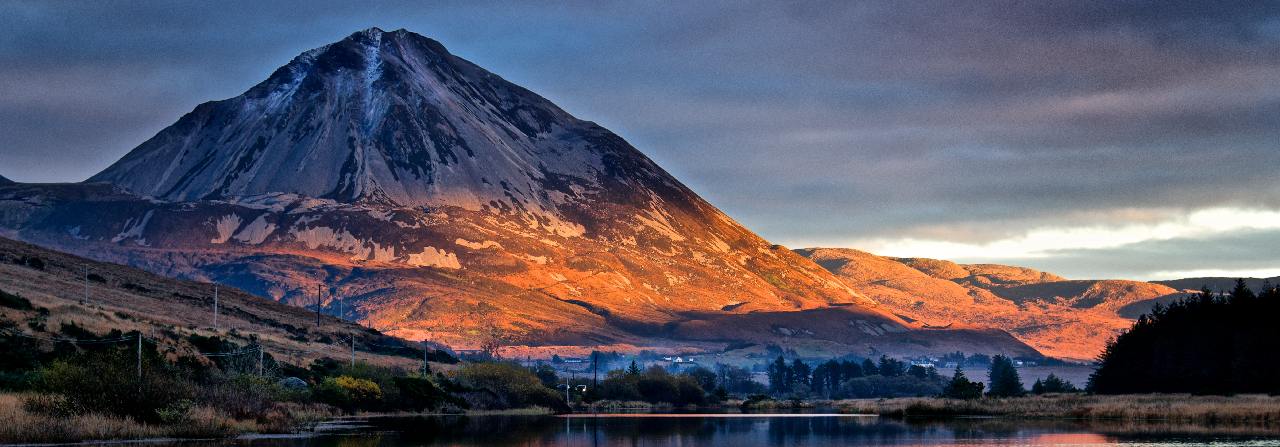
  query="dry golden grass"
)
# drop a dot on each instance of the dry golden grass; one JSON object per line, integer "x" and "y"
{"x": 1245, "y": 409}
{"x": 23, "y": 426}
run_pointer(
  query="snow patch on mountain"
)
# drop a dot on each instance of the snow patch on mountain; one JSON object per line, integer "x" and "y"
{"x": 226, "y": 227}
{"x": 478, "y": 245}
{"x": 134, "y": 228}
{"x": 256, "y": 232}
{"x": 433, "y": 257}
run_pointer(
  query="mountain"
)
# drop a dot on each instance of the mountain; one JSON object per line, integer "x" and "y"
{"x": 404, "y": 187}
{"x": 5, "y": 181}
{"x": 52, "y": 285}
{"x": 1062, "y": 318}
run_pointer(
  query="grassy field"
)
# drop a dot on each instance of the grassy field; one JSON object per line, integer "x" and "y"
{"x": 1244, "y": 409}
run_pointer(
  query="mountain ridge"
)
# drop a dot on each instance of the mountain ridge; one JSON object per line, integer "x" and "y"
{"x": 1063, "y": 318}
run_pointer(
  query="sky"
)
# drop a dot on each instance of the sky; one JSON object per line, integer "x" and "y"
{"x": 1110, "y": 139}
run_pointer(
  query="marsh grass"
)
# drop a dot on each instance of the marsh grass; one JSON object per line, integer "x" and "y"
{"x": 1242, "y": 409}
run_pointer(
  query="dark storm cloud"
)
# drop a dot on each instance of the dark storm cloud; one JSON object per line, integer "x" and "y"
{"x": 811, "y": 122}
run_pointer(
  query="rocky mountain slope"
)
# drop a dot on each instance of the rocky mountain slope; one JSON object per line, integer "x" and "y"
{"x": 411, "y": 190}
{"x": 5, "y": 181}
{"x": 1062, "y": 318}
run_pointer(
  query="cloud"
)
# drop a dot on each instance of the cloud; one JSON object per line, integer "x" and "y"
{"x": 816, "y": 123}
{"x": 1211, "y": 242}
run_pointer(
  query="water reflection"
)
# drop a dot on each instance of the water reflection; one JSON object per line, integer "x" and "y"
{"x": 751, "y": 430}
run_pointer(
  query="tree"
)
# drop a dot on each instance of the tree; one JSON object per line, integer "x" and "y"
{"x": 1241, "y": 291}
{"x": 1053, "y": 384}
{"x": 546, "y": 374}
{"x": 705, "y": 377}
{"x": 826, "y": 377}
{"x": 1003, "y": 377}
{"x": 1202, "y": 344}
{"x": 779, "y": 376}
{"x": 634, "y": 369}
{"x": 800, "y": 373}
{"x": 889, "y": 367}
{"x": 849, "y": 370}
{"x": 960, "y": 387}
{"x": 869, "y": 368}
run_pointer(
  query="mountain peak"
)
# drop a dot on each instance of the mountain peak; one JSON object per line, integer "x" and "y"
{"x": 384, "y": 117}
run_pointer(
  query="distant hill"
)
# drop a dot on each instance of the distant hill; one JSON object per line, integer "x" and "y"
{"x": 1062, "y": 318}
{"x": 5, "y": 181}
{"x": 1217, "y": 284}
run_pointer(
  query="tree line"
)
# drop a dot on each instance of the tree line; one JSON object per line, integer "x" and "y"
{"x": 1208, "y": 343}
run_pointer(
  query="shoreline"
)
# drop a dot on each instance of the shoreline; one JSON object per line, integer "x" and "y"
{"x": 1225, "y": 414}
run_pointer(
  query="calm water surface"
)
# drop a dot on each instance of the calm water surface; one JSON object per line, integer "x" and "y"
{"x": 752, "y": 430}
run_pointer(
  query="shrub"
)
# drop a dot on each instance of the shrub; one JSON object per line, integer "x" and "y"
{"x": 420, "y": 394}
{"x": 515, "y": 386}
{"x": 14, "y": 301}
{"x": 106, "y": 382}
{"x": 348, "y": 393}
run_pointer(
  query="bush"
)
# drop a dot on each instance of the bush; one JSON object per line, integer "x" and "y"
{"x": 106, "y": 382}
{"x": 513, "y": 385}
{"x": 654, "y": 386}
{"x": 420, "y": 394}
{"x": 348, "y": 393}
{"x": 13, "y": 301}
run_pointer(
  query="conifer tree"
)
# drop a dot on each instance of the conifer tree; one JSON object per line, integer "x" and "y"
{"x": 1003, "y": 377}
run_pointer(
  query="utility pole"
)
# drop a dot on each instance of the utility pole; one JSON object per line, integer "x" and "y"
{"x": 318, "y": 286}
{"x": 425, "y": 367}
{"x": 595, "y": 367}
{"x": 215, "y": 306}
{"x": 353, "y": 348}
{"x": 139, "y": 351}
{"x": 86, "y": 285}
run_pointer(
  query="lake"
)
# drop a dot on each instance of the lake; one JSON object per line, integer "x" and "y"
{"x": 739, "y": 430}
